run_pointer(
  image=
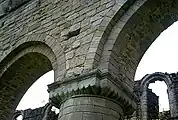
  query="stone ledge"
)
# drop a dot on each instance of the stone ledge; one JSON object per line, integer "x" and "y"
{"x": 93, "y": 83}
{"x": 72, "y": 79}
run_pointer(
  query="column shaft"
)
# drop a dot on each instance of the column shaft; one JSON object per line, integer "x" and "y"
{"x": 90, "y": 108}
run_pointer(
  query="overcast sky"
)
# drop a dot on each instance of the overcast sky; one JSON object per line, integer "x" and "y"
{"x": 162, "y": 56}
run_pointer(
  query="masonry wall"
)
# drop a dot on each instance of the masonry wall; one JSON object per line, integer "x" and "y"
{"x": 72, "y": 29}
{"x": 153, "y": 105}
{"x": 40, "y": 113}
{"x": 68, "y": 27}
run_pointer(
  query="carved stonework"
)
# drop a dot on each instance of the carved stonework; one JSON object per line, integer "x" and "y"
{"x": 94, "y": 83}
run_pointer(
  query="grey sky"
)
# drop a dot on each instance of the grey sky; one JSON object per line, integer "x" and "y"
{"x": 162, "y": 56}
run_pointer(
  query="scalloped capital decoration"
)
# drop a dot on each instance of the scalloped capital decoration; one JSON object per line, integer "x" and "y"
{"x": 95, "y": 83}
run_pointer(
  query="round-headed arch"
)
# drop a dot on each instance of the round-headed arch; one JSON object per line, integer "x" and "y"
{"x": 19, "y": 70}
{"x": 17, "y": 114}
{"x": 151, "y": 78}
{"x": 145, "y": 81}
{"x": 133, "y": 33}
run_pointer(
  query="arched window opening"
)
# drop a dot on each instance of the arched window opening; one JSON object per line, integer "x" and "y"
{"x": 20, "y": 69}
{"x": 162, "y": 93}
{"x": 56, "y": 110}
{"x": 20, "y": 117}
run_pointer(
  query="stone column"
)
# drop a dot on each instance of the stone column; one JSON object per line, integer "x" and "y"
{"x": 173, "y": 100}
{"x": 92, "y": 96}
{"x": 90, "y": 108}
{"x": 143, "y": 100}
{"x": 138, "y": 93}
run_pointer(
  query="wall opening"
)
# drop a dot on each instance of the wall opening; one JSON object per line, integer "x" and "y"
{"x": 19, "y": 70}
{"x": 162, "y": 93}
{"x": 56, "y": 110}
{"x": 160, "y": 57}
{"x": 20, "y": 117}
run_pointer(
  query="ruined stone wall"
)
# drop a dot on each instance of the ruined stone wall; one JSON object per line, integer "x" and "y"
{"x": 41, "y": 113}
{"x": 95, "y": 45}
{"x": 173, "y": 102}
{"x": 68, "y": 27}
{"x": 74, "y": 31}
{"x": 148, "y": 104}
{"x": 153, "y": 105}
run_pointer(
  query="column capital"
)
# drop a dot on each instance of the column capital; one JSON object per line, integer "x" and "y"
{"x": 94, "y": 83}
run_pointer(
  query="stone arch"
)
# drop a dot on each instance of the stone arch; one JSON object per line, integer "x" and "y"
{"x": 150, "y": 78}
{"x": 47, "y": 109}
{"x": 48, "y": 113}
{"x": 17, "y": 114}
{"x": 26, "y": 48}
{"x": 145, "y": 81}
{"x": 45, "y": 39}
{"x": 132, "y": 34}
{"x": 19, "y": 70}
{"x": 101, "y": 34}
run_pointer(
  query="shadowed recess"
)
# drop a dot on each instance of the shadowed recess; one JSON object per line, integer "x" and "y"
{"x": 18, "y": 78}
